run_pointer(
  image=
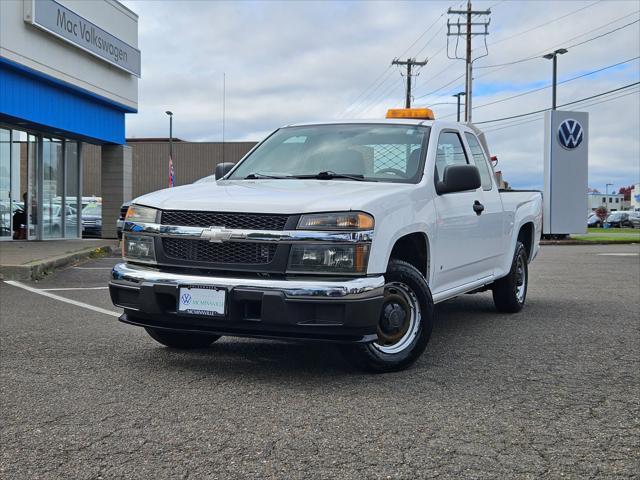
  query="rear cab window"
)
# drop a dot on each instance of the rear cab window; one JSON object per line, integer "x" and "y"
{"x": 480, "y": 160}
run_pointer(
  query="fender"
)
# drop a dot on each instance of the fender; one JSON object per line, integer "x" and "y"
{"x": 525, "y": 212}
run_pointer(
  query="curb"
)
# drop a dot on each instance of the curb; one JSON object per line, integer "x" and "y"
{"x": 41, "y": 268}
{"x": 587, "y": 242}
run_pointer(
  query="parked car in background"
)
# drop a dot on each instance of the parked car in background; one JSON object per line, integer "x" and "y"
{"x": 618, "y": 220}
{"x": 120, "y": 221}
{"x": 594, "y": 221}
{"x": 634, "y": 219}
{"x": 7, "y": 211}
{"x": 52, "y": 220}
{"x": 92, "y": 220}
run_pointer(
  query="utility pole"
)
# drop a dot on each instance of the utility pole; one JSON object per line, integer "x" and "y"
{"x": 409, "y": 62}
{"x": 554, "y": 56}
{"x": 224, "y": 108}
{"x": 458, "y": 95}
{"x": 466, "y": 29}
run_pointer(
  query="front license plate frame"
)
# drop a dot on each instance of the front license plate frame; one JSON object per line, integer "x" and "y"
{"x": 196, "y": 296}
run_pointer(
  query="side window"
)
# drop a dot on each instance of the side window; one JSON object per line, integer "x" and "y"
{"x": 480, "y": 161}
{"x": 450, "y": 152}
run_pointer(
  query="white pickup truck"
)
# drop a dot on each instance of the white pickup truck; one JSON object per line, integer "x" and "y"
{"x": 347, "y": 232}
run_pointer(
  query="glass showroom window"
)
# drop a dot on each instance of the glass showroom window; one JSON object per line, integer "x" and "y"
{"x": 72, "y": 189}
{"x": 53, "y": 218}
{"x": 5, "y": 184}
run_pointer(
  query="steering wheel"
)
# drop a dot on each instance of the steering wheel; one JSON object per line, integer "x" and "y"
{"x": 394, "y": 171}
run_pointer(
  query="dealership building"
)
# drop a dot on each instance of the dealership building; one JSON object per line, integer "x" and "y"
{"x": 69, "y": 74}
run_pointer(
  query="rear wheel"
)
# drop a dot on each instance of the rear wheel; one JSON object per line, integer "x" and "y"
{"x": 404, "y": 326}
{"x": 510, "y": 292}
{"x": 183, "y": 341}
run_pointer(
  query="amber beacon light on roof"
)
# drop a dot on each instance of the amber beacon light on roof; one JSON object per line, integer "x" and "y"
{"x": 416, "y": 113}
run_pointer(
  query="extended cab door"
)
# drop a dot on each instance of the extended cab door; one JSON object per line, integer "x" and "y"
{"x": 492, "y": 241}
{"x": 461, "y": 251}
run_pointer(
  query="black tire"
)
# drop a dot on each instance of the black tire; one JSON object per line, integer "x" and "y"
{"x": 405, "y": 291}
{"x": 183, "y": 341}
{"x": 508, "y": 294}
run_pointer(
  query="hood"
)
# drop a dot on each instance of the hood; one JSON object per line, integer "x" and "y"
{"x": 274, "y": 196}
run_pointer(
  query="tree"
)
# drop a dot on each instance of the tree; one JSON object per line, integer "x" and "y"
{"x": 626, "y": 191}
{"x": 602, "y": 212}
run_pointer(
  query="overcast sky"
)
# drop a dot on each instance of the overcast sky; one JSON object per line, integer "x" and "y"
{"x": 288, "y": 62}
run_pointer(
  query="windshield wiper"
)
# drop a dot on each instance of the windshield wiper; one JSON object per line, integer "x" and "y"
{"x": 254, "y": 176}
{"x": 329, "y": 175}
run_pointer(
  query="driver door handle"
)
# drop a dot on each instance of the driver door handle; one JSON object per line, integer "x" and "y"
{"x": 478, "y": 207}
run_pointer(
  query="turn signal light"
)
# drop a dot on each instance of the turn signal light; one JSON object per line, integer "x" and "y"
{"x": 415, "y": 113}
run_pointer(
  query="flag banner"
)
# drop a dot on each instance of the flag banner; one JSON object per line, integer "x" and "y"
{"x": 172, "y": 176}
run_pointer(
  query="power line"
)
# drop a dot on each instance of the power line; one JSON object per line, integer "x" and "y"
{"x": 563, "y": 105}
{"x": 383, "y": 97}
{"x": 559, "y": 83}
{"x": 603, "y": 35}
{"x": 389, "y": 67}
{"x": 520, "y": 122}
{"x": 533, "y": 57}
{"x": 514, "y": 124}
{"x": 544, "y": 24}
{"x": 444, "y": 86}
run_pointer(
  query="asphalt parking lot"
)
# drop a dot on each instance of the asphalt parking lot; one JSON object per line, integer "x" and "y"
{"x": 550, "y": 392}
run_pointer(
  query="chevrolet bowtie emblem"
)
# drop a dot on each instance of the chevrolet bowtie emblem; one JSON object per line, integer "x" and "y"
{"x": 216, "y": 234}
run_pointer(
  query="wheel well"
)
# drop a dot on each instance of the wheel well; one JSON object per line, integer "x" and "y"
{"x": 525, "y": 235}
{"x": 413, "y": 249}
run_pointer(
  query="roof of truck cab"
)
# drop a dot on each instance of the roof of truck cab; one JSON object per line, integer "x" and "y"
{"x": 387, "y": 121}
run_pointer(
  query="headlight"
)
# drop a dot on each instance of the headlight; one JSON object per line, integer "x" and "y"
{"x": 321, "y": 258}
{"x": 139, "y": 213}
{"x": 138, "y": 247}
{"x": 336, "y": 221}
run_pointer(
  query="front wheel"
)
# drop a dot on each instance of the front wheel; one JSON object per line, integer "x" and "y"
{"x": 510, "y": 292}
{"x": 183, "y": 341}
{"x": 404, "y": 326}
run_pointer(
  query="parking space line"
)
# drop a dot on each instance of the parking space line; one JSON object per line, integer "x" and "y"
{"x": 93, "y": 268}
{"x": 62, "y": 299}
{"x": 71, "y": 288}
{"x": 617, "y": 254}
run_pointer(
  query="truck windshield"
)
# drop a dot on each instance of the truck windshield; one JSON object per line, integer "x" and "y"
{"x": 364, "y": 152}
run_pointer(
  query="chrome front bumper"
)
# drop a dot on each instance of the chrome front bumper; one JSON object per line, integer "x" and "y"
{"x": 313, "y": 288}
{"x": 341, "y": 310}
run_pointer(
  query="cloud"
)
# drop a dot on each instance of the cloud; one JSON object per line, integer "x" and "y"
{"x": 288, "y": 62}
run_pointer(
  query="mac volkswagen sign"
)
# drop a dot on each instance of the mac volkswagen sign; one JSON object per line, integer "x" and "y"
{"x": 570, "y": 133}
{"x": 67, "y": 25}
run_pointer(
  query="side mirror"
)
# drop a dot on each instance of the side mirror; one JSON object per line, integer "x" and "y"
{"x": 459, "y": 178}
{"x": 223, "y": 168}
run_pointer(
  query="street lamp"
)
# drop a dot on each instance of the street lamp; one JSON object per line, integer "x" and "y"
{"x": 458, "y": 95}
{"x": 554, "y": 56}
{"x": 606, "y": 186}
{"x": 170, "y": 113}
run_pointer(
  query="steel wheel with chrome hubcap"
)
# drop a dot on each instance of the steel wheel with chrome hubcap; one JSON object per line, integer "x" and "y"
{"x": 405, "y": 323}
{"x": 510, "y": 291}
{"x": 399, "y": 319}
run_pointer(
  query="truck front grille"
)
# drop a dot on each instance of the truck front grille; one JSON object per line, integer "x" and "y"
{"x": 245, "y": 221}
{"x": 221, "y": 253}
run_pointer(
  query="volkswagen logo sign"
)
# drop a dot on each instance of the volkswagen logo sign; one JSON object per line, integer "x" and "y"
{"x": 570, "y": 134}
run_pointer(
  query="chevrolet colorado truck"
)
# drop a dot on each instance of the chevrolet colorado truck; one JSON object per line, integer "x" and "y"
{"x": 345, "y": 231}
